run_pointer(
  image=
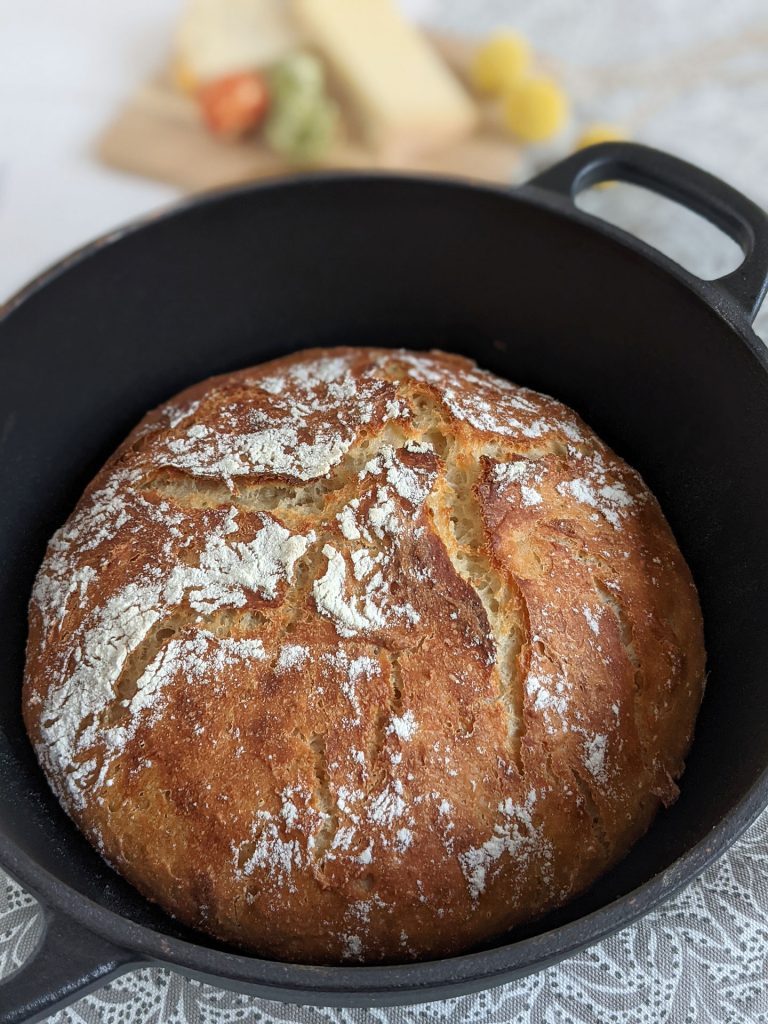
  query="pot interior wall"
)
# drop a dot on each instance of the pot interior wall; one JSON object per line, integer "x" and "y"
{"x": 528, "y": 293}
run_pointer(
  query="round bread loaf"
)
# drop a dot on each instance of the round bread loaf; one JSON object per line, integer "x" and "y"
{"x": 363, "y": 655}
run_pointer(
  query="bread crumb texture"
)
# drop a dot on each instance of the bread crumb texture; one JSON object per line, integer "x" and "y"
{"x": 363, "y": 655}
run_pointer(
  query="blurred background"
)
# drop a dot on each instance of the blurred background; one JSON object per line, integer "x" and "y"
{"x": 111, "y": 110}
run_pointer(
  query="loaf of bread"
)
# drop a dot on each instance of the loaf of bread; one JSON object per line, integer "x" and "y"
{"x": 363, "y": 655}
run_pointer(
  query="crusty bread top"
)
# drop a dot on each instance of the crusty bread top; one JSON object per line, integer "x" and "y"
{"x": 363, "y": 654}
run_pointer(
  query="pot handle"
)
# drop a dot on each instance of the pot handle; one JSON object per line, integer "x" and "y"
{"x": 740, "y": 219}
{"x": 69, "y": 961}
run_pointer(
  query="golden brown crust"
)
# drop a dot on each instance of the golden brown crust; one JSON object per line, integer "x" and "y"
{"x": 363, "y": 655}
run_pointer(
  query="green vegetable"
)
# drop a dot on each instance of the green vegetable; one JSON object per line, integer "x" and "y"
{"x": 302, "y": 120}
{"x": 300, "y": 74}
{"x": 302, "y": 132}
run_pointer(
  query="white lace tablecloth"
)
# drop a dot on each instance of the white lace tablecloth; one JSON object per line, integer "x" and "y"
{"x": 684, "y": 76}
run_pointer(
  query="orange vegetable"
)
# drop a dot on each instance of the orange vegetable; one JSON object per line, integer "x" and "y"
{"x": 234, "y": 105}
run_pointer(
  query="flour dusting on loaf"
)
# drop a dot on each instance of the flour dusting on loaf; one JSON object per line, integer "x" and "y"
{"x": 363, "y": 655}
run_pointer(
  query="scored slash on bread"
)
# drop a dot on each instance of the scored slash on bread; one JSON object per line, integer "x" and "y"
{"x": 363, "y": 655}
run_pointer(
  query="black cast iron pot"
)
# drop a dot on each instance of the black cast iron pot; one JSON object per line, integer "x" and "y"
{"x": 664, "y": 366}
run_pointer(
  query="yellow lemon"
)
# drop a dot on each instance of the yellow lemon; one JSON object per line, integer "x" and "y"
{"x": 535, "y": 109}
{"x": 500, "y": 61}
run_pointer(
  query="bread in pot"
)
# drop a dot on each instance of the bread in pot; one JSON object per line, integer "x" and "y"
{"x": 363, "y": 656}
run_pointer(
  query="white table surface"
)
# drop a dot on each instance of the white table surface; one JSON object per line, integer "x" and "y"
{"x": 683, "y": 75}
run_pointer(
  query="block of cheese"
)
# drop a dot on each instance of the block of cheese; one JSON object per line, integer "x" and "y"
{"x": 404, "y": 97}
{"x": 221, "y": 37}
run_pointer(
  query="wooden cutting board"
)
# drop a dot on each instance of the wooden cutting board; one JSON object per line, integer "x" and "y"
{"x": 159, "y": 134}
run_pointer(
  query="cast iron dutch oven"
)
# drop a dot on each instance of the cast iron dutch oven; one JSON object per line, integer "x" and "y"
{"x": 663, "y": 365}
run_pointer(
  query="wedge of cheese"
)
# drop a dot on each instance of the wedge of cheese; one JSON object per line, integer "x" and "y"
{"x": 404, "y": 97}
{"x": 222, "y": 37}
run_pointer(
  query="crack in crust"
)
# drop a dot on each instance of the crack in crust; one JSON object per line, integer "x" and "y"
{"x": 609, "y": 601}
{"x": 296, "y": 502}
{"x": 393, "y": 707}
{"x": 457, "y": 522}
{"x": 592, "y": 809}
{"x": 326, "y": 803}
{"x": 137, "y": 663}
